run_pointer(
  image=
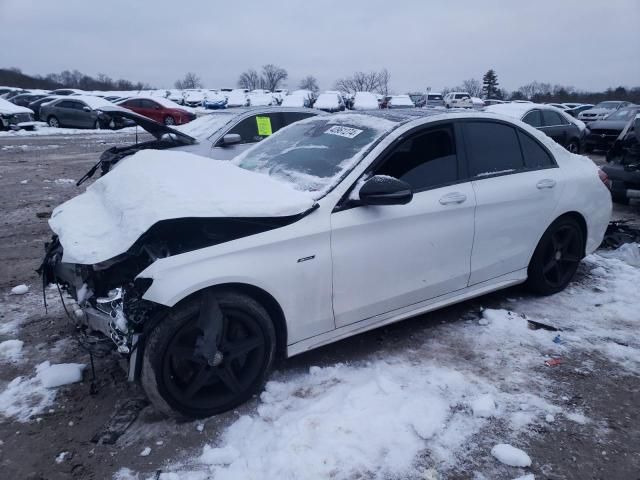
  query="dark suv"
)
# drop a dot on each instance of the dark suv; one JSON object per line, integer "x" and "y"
{"x": 623, "y": 164}
{"x": 602, "y": 133}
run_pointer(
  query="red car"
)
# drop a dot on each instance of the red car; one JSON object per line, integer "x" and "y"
{"x": 159, "y": 109}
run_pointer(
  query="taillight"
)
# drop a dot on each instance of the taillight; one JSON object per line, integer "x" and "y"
{"x": 605, "y": 178}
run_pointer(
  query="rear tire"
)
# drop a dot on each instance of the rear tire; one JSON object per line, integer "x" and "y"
{"x": 574, "y": 146}
{"x": 556, "y": 258}
{"x": 169, "y": 120}
{"x": 588, "y": 149}
{"x": 171, "y": 370}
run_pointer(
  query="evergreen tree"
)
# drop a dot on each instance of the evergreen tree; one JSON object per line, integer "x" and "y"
{"x": 490, "y": 85}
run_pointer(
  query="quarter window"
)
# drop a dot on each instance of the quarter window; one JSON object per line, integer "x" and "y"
{"x": 533, "y": 118}
{"x": 492, "y": 148}
{"x": 426, "y": 160}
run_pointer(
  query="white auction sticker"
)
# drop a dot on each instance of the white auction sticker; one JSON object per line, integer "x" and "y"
{"x": 346, "y": 132}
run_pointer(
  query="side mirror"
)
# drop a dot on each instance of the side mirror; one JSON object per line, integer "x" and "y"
{"x": 86, "y": 109}
{"x": 383, "y": 190}
{"x": 230, "y": 139}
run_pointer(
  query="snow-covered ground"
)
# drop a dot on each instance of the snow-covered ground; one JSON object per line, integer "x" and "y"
{"x": 44, "y": 130}
{"x": 417, "y": 413}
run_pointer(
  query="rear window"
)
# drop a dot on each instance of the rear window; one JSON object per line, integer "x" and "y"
{"x": 435, "y": 97}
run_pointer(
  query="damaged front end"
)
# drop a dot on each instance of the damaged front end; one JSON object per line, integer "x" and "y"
{"x": 108, "y": 296}
{"x": 107, "y": 299}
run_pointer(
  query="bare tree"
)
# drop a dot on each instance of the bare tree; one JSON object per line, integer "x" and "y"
{"x": 273, "y": 76}
{"x": 365, "y": 82}
{"x": 190, "y": 80}
{"x": 249, "y": 80}
{"x": 535, "y": 88}
{"x": 309, "y": 83}
{"x": 472, "y": 86}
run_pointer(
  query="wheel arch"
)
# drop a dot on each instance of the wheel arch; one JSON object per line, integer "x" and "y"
{"x": 579, "y": 218}
{"x": 265, "y": 299}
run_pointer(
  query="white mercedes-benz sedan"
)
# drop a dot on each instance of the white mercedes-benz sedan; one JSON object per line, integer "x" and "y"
{"x": 204, "y": 272}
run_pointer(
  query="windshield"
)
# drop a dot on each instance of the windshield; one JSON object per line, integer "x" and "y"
{"x": 608, "y": 105}
{"x": 435, "y": 97}
{"x": 623, "y": 114}
{"x": 313, "y": 154}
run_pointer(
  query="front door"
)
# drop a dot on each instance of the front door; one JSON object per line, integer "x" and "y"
{"x": 389, "y": 257}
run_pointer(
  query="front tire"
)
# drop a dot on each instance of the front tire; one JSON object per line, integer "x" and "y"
{"x": 574, "y": 146}
{"x": 556, "y": 258}
{"x": 179, "y": 382}
{"x": 53, "y": 122}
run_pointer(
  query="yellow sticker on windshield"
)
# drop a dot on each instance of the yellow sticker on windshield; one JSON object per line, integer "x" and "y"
{"x": 264, "y": 126}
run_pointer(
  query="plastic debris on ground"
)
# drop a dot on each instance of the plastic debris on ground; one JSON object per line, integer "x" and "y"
{"x": 510, "y": 455}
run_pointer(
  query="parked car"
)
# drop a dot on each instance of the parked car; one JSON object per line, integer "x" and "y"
{"x": 238, "y": 98}
{"x": 564, "y": 129}
{"x": 296, "y": 101}
{"x": 6, "y": 90}
{"x": 222, "y": 135}
{"x": 193, "y": 98}
{"x": 602, "y": 133}
{"x": 400, "y": 101}
{"x": 261, "y": 99}
{"x": 215, "y": 101}
{"x": 329, "y": 102}
{"x": 601, "y": 111}
{"x": 67, "y": 91}
{"x": 571, "y": 105}
{"x": 575, "y": 111}
{"x": 335, "y": 225}
{"x": 15, "y": 117}
{"x": 458, "y": 100}
{"x": 435, "y": 99}
{"x": 81, "y": 111}
{"x": 561, "y": 106}
{"x": 419, "y": 99}
{"x": 159, "y": 109}
{"x": 24, "y": 99}
{"x": 493, "y": 101}
{"x": 365, "y": 101}
{"x": 623, "y": 164}
{"x": 35, "y": 105}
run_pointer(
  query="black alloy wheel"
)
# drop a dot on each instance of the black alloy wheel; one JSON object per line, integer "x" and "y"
{"x": 199, "y": 371}
{"x": 557, "y": 256}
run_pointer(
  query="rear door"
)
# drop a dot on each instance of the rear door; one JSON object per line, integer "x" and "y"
{"x": 517, "y": 185}
{"x": 151, "y": 109}
{"x": 555, "y": 126}
{"x": 389, "y": 257}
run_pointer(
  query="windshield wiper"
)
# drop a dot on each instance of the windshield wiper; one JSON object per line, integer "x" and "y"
{"x": 89, "y": 174}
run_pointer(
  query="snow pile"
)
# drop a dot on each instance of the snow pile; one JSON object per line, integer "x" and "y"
{"x": 151, "y": 186}
{"x": 52, "y": 376}
{"x": 19, "y": 289}
{"x": 11, "y": 350}
{"x": 22, "y": 398}
{"x": 510, "y": 455}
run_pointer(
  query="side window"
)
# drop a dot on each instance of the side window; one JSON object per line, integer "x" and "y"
{"x": 64, "y": 104}
{"x": 258, "y": 127}
{"x": 534, "y": 155}
{"x": 492, "y": 148}
{"x": 425, "y": 160}
{"x": 551, "y": 118}
{"x": 148, "y": 104}
{"x": 134, "y": 103}
{"x": 533, "y": 118}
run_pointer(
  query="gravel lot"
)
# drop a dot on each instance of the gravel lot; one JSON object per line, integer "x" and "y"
{"x": 35, "y": 176}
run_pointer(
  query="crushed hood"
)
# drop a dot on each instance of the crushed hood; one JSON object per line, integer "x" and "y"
{"x": 152, "y": 186}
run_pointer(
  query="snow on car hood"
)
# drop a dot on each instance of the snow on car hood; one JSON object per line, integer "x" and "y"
{"x": 151, "y": 186}
{"x": 599, "y": 110}
{"x": 8, "y": 108}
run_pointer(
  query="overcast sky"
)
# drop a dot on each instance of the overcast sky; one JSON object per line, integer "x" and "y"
{"x": 590, "y": 44}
